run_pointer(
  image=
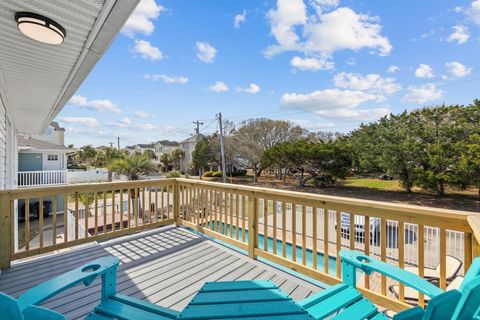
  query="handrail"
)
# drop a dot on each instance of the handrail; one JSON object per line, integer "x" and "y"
{"x": 300, "y": 231}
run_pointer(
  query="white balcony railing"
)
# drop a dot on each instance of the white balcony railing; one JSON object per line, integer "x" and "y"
{"x": 42, "y": 178}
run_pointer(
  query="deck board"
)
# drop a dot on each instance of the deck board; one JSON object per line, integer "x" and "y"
{"x": 165, "y": 266}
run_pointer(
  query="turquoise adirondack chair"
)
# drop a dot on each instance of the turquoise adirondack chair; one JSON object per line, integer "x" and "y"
{"x": 344, "y": 301}
{"x": 112, "y": 305}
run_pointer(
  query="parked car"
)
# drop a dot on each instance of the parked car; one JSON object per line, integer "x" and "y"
{"x": 385, "y": 177}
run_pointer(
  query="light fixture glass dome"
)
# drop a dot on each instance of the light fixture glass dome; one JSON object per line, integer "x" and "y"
{"x": 40, "y": 28}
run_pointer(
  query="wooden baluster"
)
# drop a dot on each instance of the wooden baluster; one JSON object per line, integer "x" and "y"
{"x": 113, "y": 211}
{"x": 244, "y": 210}
{"x": 230, "y": 204}
{"x": 212, "y": 210}
{"x": 275, "y": 227}
{"x": 326, "y": 221}
{"x": 121, "y": 209}
{"x": 40, "y": 222}
{"x": 367, "y": 248}
{"x": 314, "y": 238}
{"x": 129, "y": 208}
{"x": 383, "y": 253}
{"x": 352, "y": 231}
{"x": 105, "y": 211}
{"x": 65, "y": 217}
{"x": 284, "y": 229}
{"x": 401, "y": 255}
{"x": 338, "y": 216}
{"x": 95, "y": 201}
{"x": 216, "y": 224}
{"x": 294, "y": 232}
{"x": 144, "y": 208}
{"x": 304, "y": 235}
{"x": 76, "y": 215}
{"x": 421, "y": 260}
{"x": 168, "y": 201}
{"x": 87, "y": 216}
{"x": 252, "y": 225}
{"x": 237, "y": 218}
{"x": 27, "y": 224}
{"x": 135, "y": 206}
{"x": 265, "y": 224}
{"x": 467, "y": 248}
{"x": 443, "y": 258}
{"x": 224, "y": 213}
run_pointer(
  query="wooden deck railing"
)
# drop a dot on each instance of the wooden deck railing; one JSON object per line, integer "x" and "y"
{"x": 300, "y": 231}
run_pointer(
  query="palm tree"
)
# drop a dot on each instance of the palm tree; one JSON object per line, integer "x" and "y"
{"x": 133, "y": 167}
{"x": 106, "y": 158}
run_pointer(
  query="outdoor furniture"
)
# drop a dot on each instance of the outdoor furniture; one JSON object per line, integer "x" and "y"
{"x": 343, "y": 301}
{"x": 411, "y": 295}
{"x": 453, "y": 267}
{"x": 243, "y": 300}
{"x": 112, "y": 305}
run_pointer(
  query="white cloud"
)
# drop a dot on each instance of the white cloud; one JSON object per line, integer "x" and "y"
{"x": 124, "y": 123}
{"x": 327, "y": 100}
{"x": 313, "y": 64}
{"x": 354, "y": 114}
{"x": 141, "y": 114}
{"x": 165, "y": 78}
{"x": 324, "y": 33}
{"x": 424, "y": 71}
{"x": 141, "y": 20}
{"x": 147, "y": 126}
{"x": 218, "y": 86}
{"x": 460, "y": 34}
{"x": 205, "y": 52}
{"x": 474, "y": 12}
{"x": 423, "y": 93}
{"x": 252, "y": 89}
{"x": 457, "y": 69}
{"x": 370, "y": 82}
{"x": 239, "y": 19}
{"x": 99, "y": 105}
{"x": 393, "y": 69}
{"x": 84, "y": 121}
{"x": 147, "y": 51}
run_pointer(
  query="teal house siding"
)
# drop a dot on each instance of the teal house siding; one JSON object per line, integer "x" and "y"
{"x": 30, "y": 162}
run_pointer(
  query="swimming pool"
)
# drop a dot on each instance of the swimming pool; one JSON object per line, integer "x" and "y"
{"x": 332, "y": 262}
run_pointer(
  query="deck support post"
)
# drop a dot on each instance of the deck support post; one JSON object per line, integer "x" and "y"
{"x": 252, "y": 224}
{"x": 176, "y": 203}
{"x": 6, "y": 236}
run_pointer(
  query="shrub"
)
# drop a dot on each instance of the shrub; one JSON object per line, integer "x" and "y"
{"x": 217, "y": 174}
{"x": 208, "y": 173}
{"x": 77, "y": 166}
{"x": 173, "y": 174}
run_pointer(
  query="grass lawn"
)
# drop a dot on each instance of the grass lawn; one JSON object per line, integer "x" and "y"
{"x": 373, "y": 183}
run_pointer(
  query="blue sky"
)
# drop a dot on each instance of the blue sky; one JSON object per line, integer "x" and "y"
{"x": 324, "y": 64}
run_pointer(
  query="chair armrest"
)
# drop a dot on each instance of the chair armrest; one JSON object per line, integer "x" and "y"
{"x": 351, "y": 260}
{"x": 84, "y": 274}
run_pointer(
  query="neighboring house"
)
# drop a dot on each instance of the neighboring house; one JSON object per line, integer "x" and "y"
{"x": 42, "y": 159}
{"x": 37, "y": 79}
{"x": 164, "y": 146}
{"x": 188, "y": 145}
{"x": 141, "y": 147}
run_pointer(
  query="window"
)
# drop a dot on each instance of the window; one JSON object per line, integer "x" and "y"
{"x": 52, "y": 157}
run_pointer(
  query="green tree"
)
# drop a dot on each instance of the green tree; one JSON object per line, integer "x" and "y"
{"x": 177, "y": 156}
{"x": 132, "y": 166}
{"x": 106, "y": 157}
{"x": 166, "y": 160}
{"x": 201, "y": 155}
{"x": 86, "y": 154}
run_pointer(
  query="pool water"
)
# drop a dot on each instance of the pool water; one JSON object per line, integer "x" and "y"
{"x": 332, "y": 262}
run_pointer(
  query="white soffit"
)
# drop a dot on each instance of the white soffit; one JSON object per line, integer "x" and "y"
{"x": 36, "y": 79}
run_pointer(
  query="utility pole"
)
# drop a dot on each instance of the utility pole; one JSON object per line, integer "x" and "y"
{"x": 222, "y": 147}
{"x": 197, "y": 129}
{"x": 118, "y": 143}
{"x": 111, "y": 144}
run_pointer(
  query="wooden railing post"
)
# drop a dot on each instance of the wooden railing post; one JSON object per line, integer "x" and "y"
{"x": 252, "y": 224}
{"x": 176, "y": 203}
{"x": 6, "y": 236}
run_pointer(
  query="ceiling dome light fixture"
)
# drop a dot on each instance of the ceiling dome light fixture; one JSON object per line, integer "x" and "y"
{"x": 40, "y": 28}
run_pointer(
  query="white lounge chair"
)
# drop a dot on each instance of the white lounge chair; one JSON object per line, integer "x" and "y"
{"x": 411, "y": 295}
{"x": 453, "y": 266}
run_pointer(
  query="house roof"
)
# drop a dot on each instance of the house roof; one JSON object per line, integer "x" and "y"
{"x": 56, "y": 126}
{"x": 35, "y": 144}
{"x": 148, "y": 145}
{"x": 169, "y": 143}
{"x": 37, "y": 79}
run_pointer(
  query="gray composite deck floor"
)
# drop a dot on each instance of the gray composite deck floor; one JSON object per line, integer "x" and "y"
{"x": 166, "y": 266}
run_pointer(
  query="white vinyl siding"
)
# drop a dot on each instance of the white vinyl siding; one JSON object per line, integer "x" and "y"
{"x": 8, "y": 152}
{"x": 3, "y": 146}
